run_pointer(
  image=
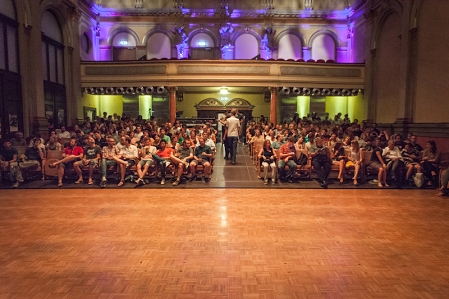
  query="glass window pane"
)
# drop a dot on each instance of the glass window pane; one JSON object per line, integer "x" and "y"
{"x": 12, "y": 50}
{"x": 60, "y": 67}
{"x": 2, "y": 49}
{"x": 44, "y": 60}
{"x": 52, "y": 62}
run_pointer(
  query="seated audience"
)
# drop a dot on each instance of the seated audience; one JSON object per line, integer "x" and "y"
{"x": 430, "y": 161}
{"x": 393, "y": 158}
{"x": 202, "y": 156}
{"x": 321, "y": 161}
{"x": 287, "y": 157}
{"x": 71, "y": 154}
{"x": 127, "y": 158}
{"x": 163, "y": 155}
{"x": 18, "y": 140}
{"x": 181, "y": 157}
{"x": 9, "y": 158}
{"x": 411, "y": 161}
{"x": 355, "y": 159}
{"x": 91, "y": 158}
{"x": 109, "y": 157}
{"x": 146, "y": 159}
{"x": 339, "y": 158}
{"x": 268, "y": 159}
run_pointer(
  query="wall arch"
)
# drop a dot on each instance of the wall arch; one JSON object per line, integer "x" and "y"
{"x": 329, "y": 47}
{"x": 292, "y": 49}
{"x": 117, "y": 31}
{"x": 158, "y": 46}
{"x": 212, "y": 36}
{"x": 387, "y": 68}
{"x": 66, "y": 27}
{"x": 238, "y": 33}
{"x": 158, "y": 30}
{"x": 245, "y": 46}
{"x": 392, "y": 8}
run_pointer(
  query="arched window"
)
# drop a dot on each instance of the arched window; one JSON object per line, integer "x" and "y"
{"x": 11, "y": 117}
{"x": 53, "y": 70}
{"x": 246, "y": 47}
{"x": 323, "y": 47}
{"x": 9, "y": 56}
{"x": 158, "y": 46}
{"x": 202, "y": 46}
{"x": 290, "y": 47}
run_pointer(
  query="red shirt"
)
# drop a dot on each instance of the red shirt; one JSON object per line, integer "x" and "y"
{"x": 73, "y": 151}
{"x": 165, "y": 153}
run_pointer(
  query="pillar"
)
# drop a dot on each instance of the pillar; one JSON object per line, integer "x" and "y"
{"x": 172, "y": 108}
{"x": 273, "y": 100}
{"x": 306, "y": 53}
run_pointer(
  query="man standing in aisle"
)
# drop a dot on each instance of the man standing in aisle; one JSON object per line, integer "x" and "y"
{"x": 233, "y": 125}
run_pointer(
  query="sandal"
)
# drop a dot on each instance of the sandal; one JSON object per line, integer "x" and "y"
{"x": 120, "y": 184}
{"x": 90, "y": 182}
{"x": 79, "y": 181}
{"x": 59, "y": 184}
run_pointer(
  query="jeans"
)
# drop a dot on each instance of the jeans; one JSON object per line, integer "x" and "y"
{"x": 233, "y": 147}
{"x": 104, "y": 165}
{"x": 291, "y": 168}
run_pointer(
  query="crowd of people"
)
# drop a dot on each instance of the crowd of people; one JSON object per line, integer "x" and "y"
{"x": 342, "y": 142}
{"x": 145, "y": 145}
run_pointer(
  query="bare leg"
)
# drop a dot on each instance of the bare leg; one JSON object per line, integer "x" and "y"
{"x": 207, "y": 170}
{"x": 341, "y": 171}
{"x": 193, "y": 168}
{"x": 409, "y": 171}
{"x": 356, "y": 172}
{"x": 77, "y": 168}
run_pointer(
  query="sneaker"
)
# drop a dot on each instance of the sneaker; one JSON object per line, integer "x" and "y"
{"x": 265, "y": 182}
{"x": 273, "y": 182}
{"x": 163, "y": 182}
{"x": 176, "y": 183}
{"x": 16, "y": 185}
{"x": 141, "y": 182}
{"x": 193, "y": 178}
{"x": 204, "y": 179}
{"x": 103, "y": 184}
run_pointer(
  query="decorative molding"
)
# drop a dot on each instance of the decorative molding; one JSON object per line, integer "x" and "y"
{"x": 75, "y": 13}
{"x": 320, "y": 71}
{"x": 216, "y": 69}
{"x": 240, "y": 104}
{"x": 119, "y": 70}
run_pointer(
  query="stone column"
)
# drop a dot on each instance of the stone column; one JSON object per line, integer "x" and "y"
{"x": 31, "y": 65}
{"x": 404, "y": 101}
{"x": 273, "y": 105}
{"x": 306, "y": 53}
{"x": 370, "y": 55}
{"x": 172, "y": 108}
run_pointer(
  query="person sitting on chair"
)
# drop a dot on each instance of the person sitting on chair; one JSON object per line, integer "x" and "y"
{"x": 287, "y": 157}
{"x": 91, "y": 157}
{"x": 163, "y": 156}
{"x": 202, "y": 156}
{"x": 321, "y": 161}
{"x": 146, "y": 155}
{"x": 268, "y": 159}
{"x": 71, "y": 154}
{"x": 181, "y": 158}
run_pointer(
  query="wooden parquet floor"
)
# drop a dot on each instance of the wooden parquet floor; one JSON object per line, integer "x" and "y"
{"x": 223, "y": 243}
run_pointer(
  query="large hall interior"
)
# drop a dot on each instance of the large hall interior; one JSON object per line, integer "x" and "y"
{"x": 85, "y": 84}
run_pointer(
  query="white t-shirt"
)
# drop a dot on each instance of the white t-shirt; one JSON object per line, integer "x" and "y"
{"x": 233, "y": 124}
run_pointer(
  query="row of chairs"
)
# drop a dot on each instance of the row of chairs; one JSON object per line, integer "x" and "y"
{"x": 306, "y": 170}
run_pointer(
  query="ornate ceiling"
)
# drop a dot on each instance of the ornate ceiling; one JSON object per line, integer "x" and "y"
{"x": 273, "y": 6}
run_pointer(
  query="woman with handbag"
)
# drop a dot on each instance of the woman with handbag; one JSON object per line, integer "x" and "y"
{"x": 268, "y": 159}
